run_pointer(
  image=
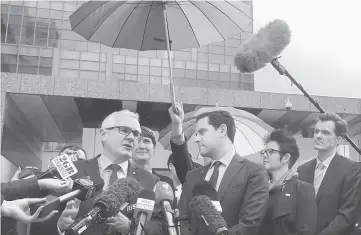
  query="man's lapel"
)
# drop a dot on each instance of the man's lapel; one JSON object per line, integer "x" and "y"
{"x": 231, "y": 171}
{"x": 329, "y": 179}
{"x": 283, "y": 203}
{"x": 204, "y": 171}
{"x": 309, "y": 173}
{"x": 132, "y": 170}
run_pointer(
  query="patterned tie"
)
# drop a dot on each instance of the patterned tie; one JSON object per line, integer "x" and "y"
{"x": 214, "y": 178}
{"x": 114, "y": 176}
{"x": 320, "y": 170}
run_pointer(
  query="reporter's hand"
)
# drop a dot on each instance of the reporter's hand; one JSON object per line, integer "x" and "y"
{"x": 119, "y": 223}
{"x": 16, "y": 174}
{"x": 177, "y": 117}
{"x": 69, "y": 214}
{"x": 18, "y": 209}
{"x": 56, "y": 185}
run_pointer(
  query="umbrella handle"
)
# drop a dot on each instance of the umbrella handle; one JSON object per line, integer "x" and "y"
{"x": 171, "y": 83}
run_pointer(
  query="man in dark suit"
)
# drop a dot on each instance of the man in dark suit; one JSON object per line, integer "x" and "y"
{"x": 292, "y": 204}
{"x": 119, "y": 135}
{"x": 336, "y": 179}
{"x": 241, "y": 184}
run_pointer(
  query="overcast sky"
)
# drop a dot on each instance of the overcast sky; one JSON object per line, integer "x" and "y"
{"x": 325, "y": 50}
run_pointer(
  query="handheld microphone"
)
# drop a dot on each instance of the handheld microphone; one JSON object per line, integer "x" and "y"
{"x": 263, "y": 47}
{"x": 212, "y": 223}
{"x": 107, "y": 204}
{"x": 143, "y": 210}
{"x": 206, "y": 189}
{"x": 165, "y": 196}
{"x": 63, "y": 168}
{"x": 83, "y": 189}
{"x": 127, "y": 209}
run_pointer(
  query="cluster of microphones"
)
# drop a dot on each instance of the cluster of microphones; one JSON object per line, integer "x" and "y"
{"x": 127, "y": 196}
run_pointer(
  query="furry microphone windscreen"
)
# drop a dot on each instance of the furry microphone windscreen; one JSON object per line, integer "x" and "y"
{"x": 120, "y": 192}
{"x": 202, "y": 209}
{"x": 262, "y": 47}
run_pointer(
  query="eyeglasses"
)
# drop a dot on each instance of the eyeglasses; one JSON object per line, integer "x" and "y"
{"x": 269, "y": 152}
{"x": 123, "y": 130}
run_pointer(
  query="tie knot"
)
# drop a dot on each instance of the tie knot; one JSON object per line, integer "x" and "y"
{"x": 321, "y": 166}
{"x": 114, "y": 167}
{"x": 217, "y": 164}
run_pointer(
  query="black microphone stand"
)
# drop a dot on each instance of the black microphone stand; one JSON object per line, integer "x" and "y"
{"x": 283, "y": 71}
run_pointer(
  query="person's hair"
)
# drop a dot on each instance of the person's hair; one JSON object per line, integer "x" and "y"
{"x": 146, "y": 132}
{"x": 341, "y": 126}
{"x": 73, "y": 148}
{"x": 287, "y": 144}
{"x": 110, "y": 117}
{"x": 219, "y": 117}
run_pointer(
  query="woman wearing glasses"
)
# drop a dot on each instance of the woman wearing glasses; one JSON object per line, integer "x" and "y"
{"x": 292, "y": 204}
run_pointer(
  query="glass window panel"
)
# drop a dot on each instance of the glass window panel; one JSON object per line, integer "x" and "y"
{"x": 213, "y": 67}
{"x": 118, "y": 68}
{"x": 53, "y": 42}
{"x": 46, "y": 62}
{"x": 56, "y": 24}
{"x": 42, "y": 23}
{"x": 28, "y": 60}
{"x": 57, "y": 5}
{"x": 28, "y": 69}
{"x": 120, "y": 59}
{"x": 46, "y": 52}
{"x": 43, "y": 13}
{"x": 180, "y": 73}
{"x": 30, "y": 11}
{"x": 202, "y": 75}
{"x": 4, "y": 20}
{"x": 8, "y": 59}
{"x": 217, "y": 59}
{"x": 93, "y": 47}
{"x": 165, "y": 72}
{"x": 66, "y": 15}
{"x": 87, "y": 65}
{"x": 17, "y": 3}
{"x": 191, "y": 73}
{"x": 102, "y": 67}
{"x": 67, "y": 44}
{"x": 45, "y": 71}
{"x": 29, "y": 21}
{"x": 191, "y": 65}
{"x": 224, "y": 68}
{"x": 203, "y": 57}
{"x": 155, "y": 62}
{"x": 31, "y": 51}
{"x": 69, "y": 64}
{"x": 216, "y": 50}
{"x": 27, "y": 35}
{"x": 131, "y": 69}
{"x": 131, "y": 60}
{"x": 14, "y": 20}
{"x": 44, "y": 4}
{"x": 66, "y": 25}
{"x": 130, "y": 77}
{"x": 143, "y": 78}
{"x": 16, "y": 10}
{"x": 74, "y": 55}
{"x": 13, "y": 34}
{"x": 69, "y": 73}
{"x": 102, "y": 76}
{"x": 89, "y": 56}
{"x": 202, "y": 66}
{"x": 155, "y": 80}
{"x": 80, "y": 46}
{"x": 30, "y": 3}
{"x": 143, "y": 61}
{"x": 225, "y": 77}
{"x": 4, "y": 8}
{"x": 7, "y": 68}
{"x": 155, "y": 71}
{"x": 89, "y": 75}
{"x": 179, "y": 64}
{"x": 68, "y": 6}
{"x": 67, "y": 34}
{"x": 9, "y": 49}
{"x": 103, "y": 58}
{"x": 143, "y": 70}
{"x": 54, "y": 34}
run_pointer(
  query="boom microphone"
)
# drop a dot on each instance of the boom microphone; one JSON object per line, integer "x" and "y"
{"x": 205, "y": 219}
{"x": 107, "y": 204}
{"x": 143, "y": 210}
{"x": 83, "y": 189}
{"x": 263, "y": 47}
{"x": 165, "y": 196}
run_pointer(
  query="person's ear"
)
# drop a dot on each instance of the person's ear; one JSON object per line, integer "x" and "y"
{"x": 103, "y": 135}
{"x": 286, "y": 158}
{"x": 223, "y": 130}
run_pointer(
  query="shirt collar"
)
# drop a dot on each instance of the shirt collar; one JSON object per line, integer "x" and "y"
{"x": 326, "y": 162}
{"x": 226, "y": 160}
{"x": 104, "y": 162}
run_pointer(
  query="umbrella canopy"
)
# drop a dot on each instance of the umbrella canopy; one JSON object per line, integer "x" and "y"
{"x": 250, "y": 131}
{"x": 140, "y": 25}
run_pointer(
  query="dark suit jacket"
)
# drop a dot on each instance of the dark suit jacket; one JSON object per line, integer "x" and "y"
{"x": 147, "y": 180}
{"x": 291, "y": 210}
{"x": 338, "y": 196}
{"x": 182, "y": 160}
{"x": 243, "y": 194}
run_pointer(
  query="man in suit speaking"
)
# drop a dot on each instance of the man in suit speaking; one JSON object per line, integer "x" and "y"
{"x": 241, "y": 184}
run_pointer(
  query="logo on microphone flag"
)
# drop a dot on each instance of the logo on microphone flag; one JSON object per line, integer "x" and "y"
{"x": 64, "y": 166}
{"x": 145, "y": 204}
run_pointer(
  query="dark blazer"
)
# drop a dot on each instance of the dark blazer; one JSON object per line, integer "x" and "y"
{"x": 182, "y": 160}
{"x": 338, "y": 196}
{"x": 243, "y": 194}
{"x": 291, "y": 210}
{"x": 147, "y": 180}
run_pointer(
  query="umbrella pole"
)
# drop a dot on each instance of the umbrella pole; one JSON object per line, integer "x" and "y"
{"x": 171, "y": 84}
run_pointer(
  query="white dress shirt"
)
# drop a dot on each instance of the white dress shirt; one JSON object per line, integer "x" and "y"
{"x": 226, "y": 160}
{"x": 105, "y": 173}
{"x": 320, "y": 172}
